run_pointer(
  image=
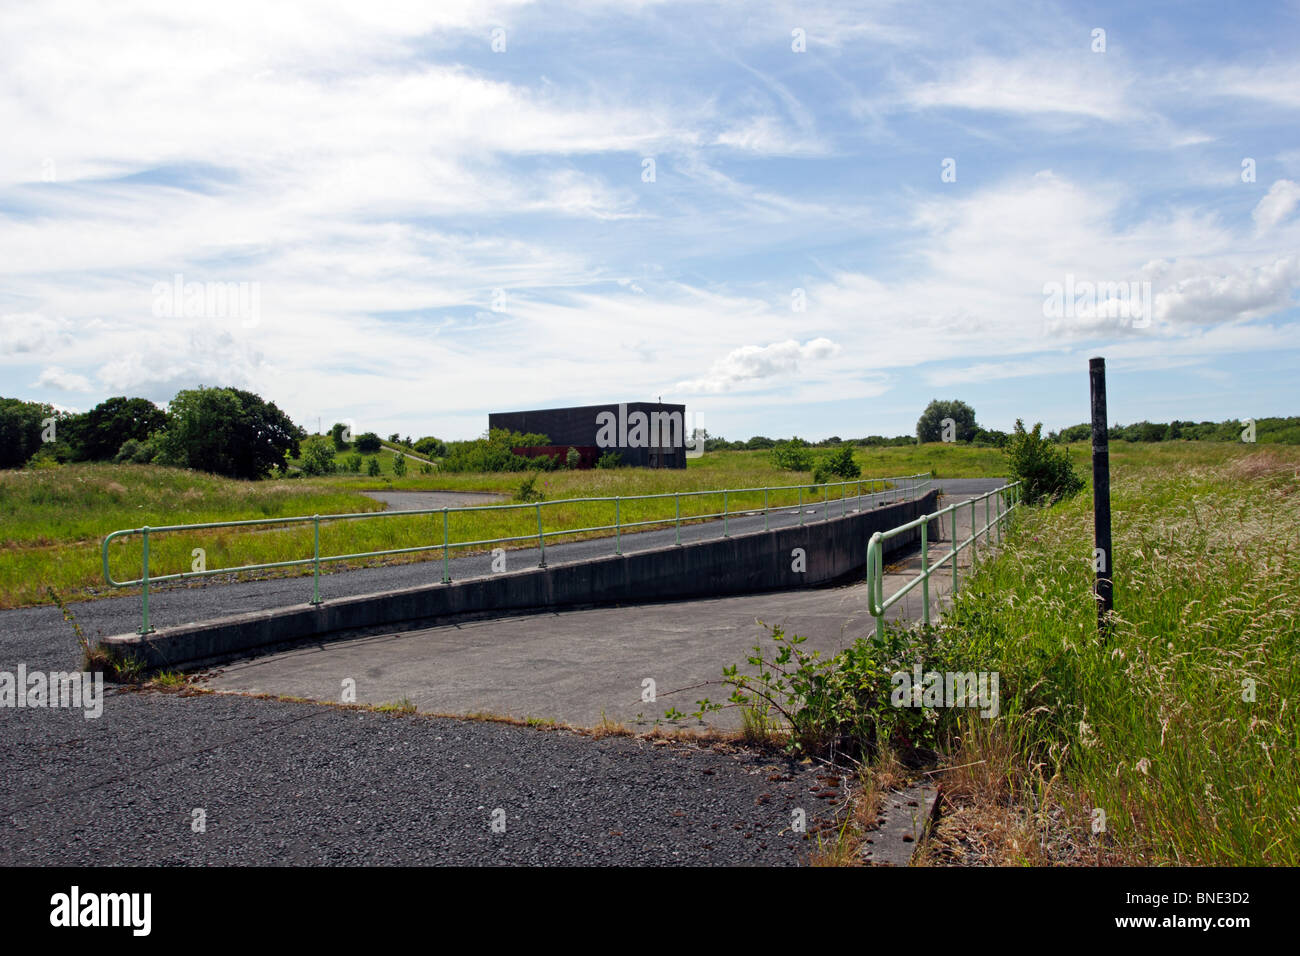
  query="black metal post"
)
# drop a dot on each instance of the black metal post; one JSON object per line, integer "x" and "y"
{"x": 1103, "y": 557}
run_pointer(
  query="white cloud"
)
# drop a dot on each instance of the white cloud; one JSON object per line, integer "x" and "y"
{"x": 1276, "y": 205}
{"x": 55, "y": 377}
{"x": 751, "y": 363}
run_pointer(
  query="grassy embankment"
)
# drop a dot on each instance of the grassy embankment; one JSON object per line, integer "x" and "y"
{"x": 1182, "y": 727}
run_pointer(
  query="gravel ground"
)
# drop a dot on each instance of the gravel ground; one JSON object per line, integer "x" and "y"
{"x": 294, "y": 783}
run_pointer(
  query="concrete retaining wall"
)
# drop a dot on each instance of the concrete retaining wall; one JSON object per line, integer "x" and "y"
{"x": 759, "y": 561}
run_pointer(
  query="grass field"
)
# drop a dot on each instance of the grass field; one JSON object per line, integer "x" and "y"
{"x": 1182, "y": 727}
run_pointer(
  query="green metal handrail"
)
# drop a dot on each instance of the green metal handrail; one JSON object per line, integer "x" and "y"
{"x": 1008, "y": 498}
{"x": 903, "y": 487}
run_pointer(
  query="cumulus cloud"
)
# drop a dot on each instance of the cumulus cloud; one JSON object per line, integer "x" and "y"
{"x": 751, "y": 363}
{"x": 1244, "y": 292}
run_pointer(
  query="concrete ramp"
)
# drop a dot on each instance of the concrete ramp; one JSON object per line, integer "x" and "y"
{"x": 786, "y": 558}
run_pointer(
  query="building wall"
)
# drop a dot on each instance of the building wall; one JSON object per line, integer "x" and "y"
{"x": 577, "y": 426}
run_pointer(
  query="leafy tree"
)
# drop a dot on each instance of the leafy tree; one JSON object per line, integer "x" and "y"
{"x": 495, "y": 453}
{"x": 399, "y": 465}
{"x": 21, "y": 428}
{"x": 354, "y": 464}
{"x": 792, "y": 455}
{"x": 227, "y": 431}
{"x": 1044, "y": 468}
{"x": 337, "y": 433}
{"x": 394, "y": 438}
{"x": 929, "y": 427}
{"x": 99, "y": 434}
{"x": 368, "y": 443}
{"x": 372, "y": 468}
{"x": 572, "y": 458}
{"x": 318, "y": 457}
{"x": 431, "y": 447}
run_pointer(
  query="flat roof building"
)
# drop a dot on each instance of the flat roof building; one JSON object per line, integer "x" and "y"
{"x": 646, "y": 434}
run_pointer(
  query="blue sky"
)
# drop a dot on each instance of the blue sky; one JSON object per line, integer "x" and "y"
{"x": 436, "y": 229}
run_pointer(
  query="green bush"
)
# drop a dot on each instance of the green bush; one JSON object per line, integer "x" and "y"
{"x": 493, "y": 453}
{"x": 527, "y": 490}
{"x": 792, "y": 455}
{"x": 837, "y": 465}
{"x": 354, "y": 464}
{"x": 318, "y": 457}
{"x": 368, "y": 443}
{"x": 848, "y": 704}
{"x": 399, "y": 465}
{"x": 1044, "y": 468}
{"x": 372, "y": 468}
{"x": 135, "y": 452}
{"x": 573, "y": 458}
{"x": 610, "y": 459}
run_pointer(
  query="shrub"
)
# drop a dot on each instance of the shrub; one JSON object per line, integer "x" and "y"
{"x": 354, "y": 464}
{"x": 792, "y": 455}
{"x": 1044, "y": 468}
{"x": 493, "y": 453}
{"x": 318, "y": 457}
{"x": 368, "y": 443}
{"x": 431, "y": 447}
{"x": 527, "y": 490}
{"x": 135, "y": 452}
{"x": 837, "y": 465}
{"x": 372, "y": 468}
{"x": 573, "y": 458}
{"x": 399, "y": 465}
{"x": 610, "y": 459}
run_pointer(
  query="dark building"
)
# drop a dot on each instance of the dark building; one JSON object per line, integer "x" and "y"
{"x": 647, "y": 434}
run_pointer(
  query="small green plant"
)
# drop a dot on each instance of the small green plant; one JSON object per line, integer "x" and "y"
{"x": 399, "y": 465}
{"x": 372, "y": 468}
{"x": 572, "y": 458}
{"x": 528, "y": 491}
{"x": 403, "y": 706}
{"x": 354, "y": 464}
{"x": 610, "y": 459}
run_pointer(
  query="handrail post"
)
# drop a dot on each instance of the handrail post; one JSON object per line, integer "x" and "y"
{"x": 801, "y": 506}
{"x": 724, "y": 514}
{"x": 826, "y": 497}
{"x": 843, "y": 489}
{"x": 541, "y": 538}
{"x": 974, "y": 538}
{"x": 677, "y": 501}
{"x": 315, "y": 552}
{"x": 955, "y": 552}
{"x": 876, "y": 572}
{"x": 618, "y": 520}
{"x": 764, "y": 509}
{"x": 144, "y": 580}
{"x": 925, "y": 570}
{"x": 446, "y": 563}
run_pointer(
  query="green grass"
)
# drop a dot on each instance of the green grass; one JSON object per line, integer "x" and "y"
{"x": 55, "y": 518}
{"x": 1151, "y": 725}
